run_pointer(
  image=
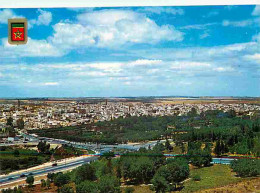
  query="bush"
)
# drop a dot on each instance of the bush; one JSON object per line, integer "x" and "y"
{"x": 196, "y": 178}
{"x": 30, "y": 180}
{"x": 109, "y": 183}
{"x": 61, "y": 179}
{"x": 85, "y": 172}
{"x": 87, "y": 187}
{"x": 16, "y": 152}
{"x": 246, "y": 167}
{"x": 66, "y": 189}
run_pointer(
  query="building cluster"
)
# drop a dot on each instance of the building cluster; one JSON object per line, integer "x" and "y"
{"x": 60, "y": 114}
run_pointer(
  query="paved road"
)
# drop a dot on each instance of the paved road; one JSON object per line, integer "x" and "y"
{"x": 46, "y": 170}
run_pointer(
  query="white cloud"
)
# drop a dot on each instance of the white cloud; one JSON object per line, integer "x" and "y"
{"x": 145, "y": 62}
{"x": 51, "y": 83}
{"x": 111, "y": 29}
{"x": 256, "y": 11}
{"x": 242, "y": 23}
{"x": 127, "y": 83}
{"x": 106, "y": 17}
{"x": 102, "y": 29}
{"x": 112, "y": 67}
{"x": 33, "y": 48}
{"x": 190, "y": 65}
{"x": 91, "y": 74}
{"x": 44, "y": 18}
{"x": 6, "y": 14}
{"x": 152, "y": 71}
{"x": 254, "y": 57}
{"x": 224, "y": 69}
{"x": 198, "y": 26}
{"x": 204, "y": 35}
{"x": 160, "y": 10}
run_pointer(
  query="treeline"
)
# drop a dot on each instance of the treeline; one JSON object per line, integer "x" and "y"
{"x": 133, "y": 168}
{"x": 230, "y": 134}
{"x": 239, "y": 134}
{"x": 12, "y": 158}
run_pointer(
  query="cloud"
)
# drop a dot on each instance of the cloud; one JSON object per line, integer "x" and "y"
{"x": 189, "y": 65}
{"x": 111, "y": 67}
{"x": 212, "y": 13}
{"x": 6, "y": 14}
{"x": 33, "y": 48}
{"x": 160, "y": 10}
{"x": 256, "y": 11}
{"x": 204, "y": 35}
{"x": 230, "y": 7}
{"x": 81, "y": 9}
{"x": 89, "y": 74}
{"x": 50, "y": 83}
{"x": 44, "y": 18}
{"x": 242, "y": 23}
{"x": 224, "y": 69}
{"x": 247, "y": 22}
{"x": 145, "y": 62}
{"x": 112, "y": 29}
{"x": 100, "y": 29}
{"x": 254, "y": 57}
{"x": 198, "y": 26}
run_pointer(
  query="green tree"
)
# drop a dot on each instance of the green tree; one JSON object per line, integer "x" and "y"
{"x": 9, "y": 121}
{"x": 30, "y": 180}
{"x": 48, "y": 183}
{"x": 66, "y": 189}
{"x": 199, "y": 157}
{"x": 246, "y": 167}
{"x": 192, "y": 112}
{"x": 43, "y": 183}
{"x": 50, "y": 176}
{"x": 61, "y": 179}
{"x": 160, "y": 184}
{"x": 179, "y": 170}
{"x": 87, "y": 187}
{"x": 20, "y": 123}
{"x": 43, "y": 147}
{"x": 217, "y": 149}
{"x": 85, "y": 172}
{"x": 139, "y": 169}
{"x": 168, "y": 145}
{"x": 16, "y": 152}
{"x": 109, "y": 183}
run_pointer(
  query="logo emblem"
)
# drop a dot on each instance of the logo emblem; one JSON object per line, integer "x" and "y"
{"x": 17, "y": 31}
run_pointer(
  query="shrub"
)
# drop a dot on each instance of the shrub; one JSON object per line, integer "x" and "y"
{"x": 196, "y": 178}
{"x": 246, "y": 167}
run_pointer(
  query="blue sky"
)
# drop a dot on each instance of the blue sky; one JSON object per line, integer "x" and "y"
{"x": 133, "y": 51}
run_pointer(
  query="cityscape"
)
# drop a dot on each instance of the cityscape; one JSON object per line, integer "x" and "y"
{"x": 130, "y": 100}
{"x": 51, "y": 114}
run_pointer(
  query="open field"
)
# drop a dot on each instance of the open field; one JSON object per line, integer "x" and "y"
{"x": 211, "y": 177}
{"x": 207, "y": 101}
{"x": 164, "y": 100}
{"x": 247, "y": 186}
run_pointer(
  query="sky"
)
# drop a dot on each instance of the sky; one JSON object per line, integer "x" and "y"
{"x": 133, "y": 51}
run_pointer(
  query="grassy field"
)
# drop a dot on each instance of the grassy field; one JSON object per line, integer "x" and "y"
{"x": 211, "y": 177}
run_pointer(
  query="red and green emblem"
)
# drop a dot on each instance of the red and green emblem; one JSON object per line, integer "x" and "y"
{"x": 17, "y": 31}
{"x": 17, "y": 28}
